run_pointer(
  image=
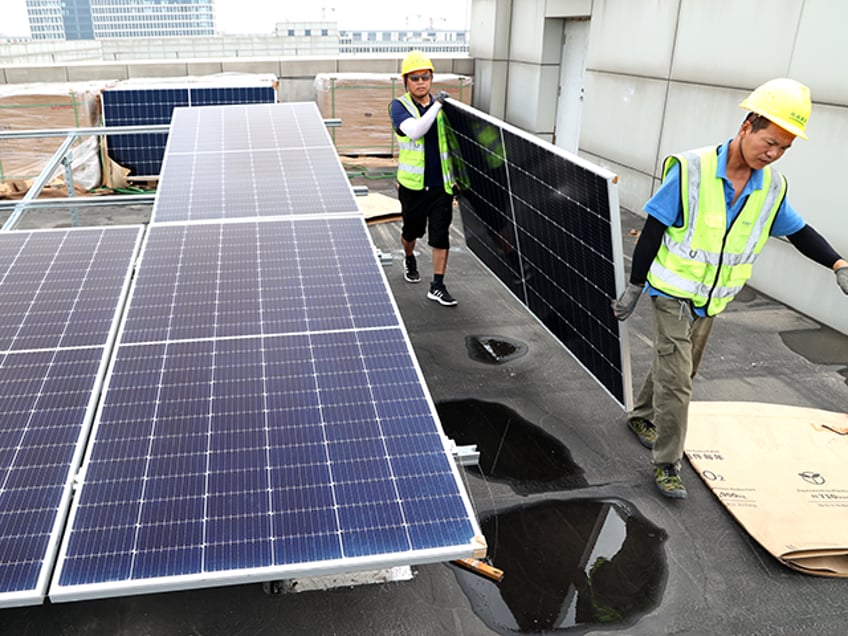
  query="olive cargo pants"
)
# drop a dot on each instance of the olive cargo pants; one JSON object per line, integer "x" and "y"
{"x": 679, "y": 342}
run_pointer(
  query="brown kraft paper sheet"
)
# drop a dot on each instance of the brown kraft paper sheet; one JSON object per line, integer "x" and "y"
{"x": 782, "y": 472}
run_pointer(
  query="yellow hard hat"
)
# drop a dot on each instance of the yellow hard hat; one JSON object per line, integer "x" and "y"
{"x": 415, "y": 61}
{"x": 784, "y": 102}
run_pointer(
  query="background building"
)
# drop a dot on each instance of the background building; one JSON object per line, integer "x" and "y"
{"x": 100, "y": 19}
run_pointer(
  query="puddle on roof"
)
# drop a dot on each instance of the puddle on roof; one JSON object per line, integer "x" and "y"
{"x": 568, "y": 564}
{"x": 494, "y": 349}
{"x": 512, "y": 449}
{"x": 820, "y": 346}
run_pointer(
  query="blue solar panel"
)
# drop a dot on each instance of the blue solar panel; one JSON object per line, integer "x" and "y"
{"x": 261, "y": 452}
{"x": 259, "y": 160}
{"x": 263, "y": 416}
{"x": 275, "y": 276}
{"x": 267, "y": 415}
{"x": 136, "y": 105}
{"x": 60, "y": 291}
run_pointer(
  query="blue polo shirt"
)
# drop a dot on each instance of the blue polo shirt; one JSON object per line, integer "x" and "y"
{"x": 432, "y": 163}
{"x": 666, "y": 207}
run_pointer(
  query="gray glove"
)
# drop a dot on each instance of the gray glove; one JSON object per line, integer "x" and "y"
{"x": 624, "y": 306}
{"x": 442, "y": 96}
{"x": 842, "y": 279}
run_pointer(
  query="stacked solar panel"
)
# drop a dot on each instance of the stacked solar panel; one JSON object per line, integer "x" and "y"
{"x": 137, "y": 104}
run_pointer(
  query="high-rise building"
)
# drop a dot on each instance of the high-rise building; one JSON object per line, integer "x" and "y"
{"x": 103, "y": 19}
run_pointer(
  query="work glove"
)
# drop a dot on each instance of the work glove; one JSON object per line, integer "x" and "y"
{"x": 842, "y": 279}
{"x": 624, "y": 306}
{"x": 442, "y": 96}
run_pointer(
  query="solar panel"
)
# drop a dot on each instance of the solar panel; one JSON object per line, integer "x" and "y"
{"x": 546, "y": 223}
{"x": 260, "y": 160}
{"x": 60, "y": 291}
{"x": 287, "y": 433}
{"x": 264, "y": 416}
{"x": 136, "y": 104}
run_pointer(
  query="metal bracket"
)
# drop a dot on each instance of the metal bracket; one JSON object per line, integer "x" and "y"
{"x": 278, "y": 588}
{"x": 466, "y": 455}
{"x": 385, "y": 258}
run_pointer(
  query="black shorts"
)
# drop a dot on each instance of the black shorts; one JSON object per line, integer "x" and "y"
{"x": 420, "y": 207}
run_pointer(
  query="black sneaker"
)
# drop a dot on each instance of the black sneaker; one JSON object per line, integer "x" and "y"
{"x": 668, "y": 481}
{"x": 441, "y": 295}
{"x": 410, "y": 269}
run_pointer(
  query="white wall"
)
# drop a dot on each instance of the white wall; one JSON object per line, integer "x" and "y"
{"x": 667, "y": 75}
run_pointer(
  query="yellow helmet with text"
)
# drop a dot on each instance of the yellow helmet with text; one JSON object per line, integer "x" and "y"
{"x": 416, "y": 61}
{"x": 784, "y": 102}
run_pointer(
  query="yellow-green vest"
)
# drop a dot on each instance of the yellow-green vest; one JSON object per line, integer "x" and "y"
{"x": 704, "y": 261}
{"x": 410, "y": 172}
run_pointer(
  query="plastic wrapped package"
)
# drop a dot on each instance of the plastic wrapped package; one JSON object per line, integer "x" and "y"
{"x": 42, "y": 106}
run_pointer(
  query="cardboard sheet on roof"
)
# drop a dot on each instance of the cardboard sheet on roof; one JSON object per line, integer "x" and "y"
{"x": 780, "y": 471}
{"x": 361, "y": 101}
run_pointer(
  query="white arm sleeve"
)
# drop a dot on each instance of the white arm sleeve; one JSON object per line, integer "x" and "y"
{"x": 416, "y": 127}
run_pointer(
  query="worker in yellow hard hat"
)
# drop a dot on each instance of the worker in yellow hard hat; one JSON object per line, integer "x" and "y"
{"x": 705, "y": 227}
{"x": 424, "y": 174}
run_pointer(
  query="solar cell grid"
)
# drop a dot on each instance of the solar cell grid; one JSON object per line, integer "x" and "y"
{"x": 200, "y": 281}
{"x": 261, "y": 160}
{"x": 285, "y": 428}
{"x": 263, "y": 415}
{"x": 59, "y": 294}
{"x": 547, "y": 225}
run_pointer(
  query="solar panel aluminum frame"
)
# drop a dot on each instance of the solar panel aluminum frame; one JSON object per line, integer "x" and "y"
{"x": 475, "y": 548}
{"x": 37, "y": 595}
{"x": 615, "y": 238}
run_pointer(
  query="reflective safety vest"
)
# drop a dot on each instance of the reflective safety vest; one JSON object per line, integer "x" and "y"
{"x": 410, "y": 172}
{"x": 704, "y": 261}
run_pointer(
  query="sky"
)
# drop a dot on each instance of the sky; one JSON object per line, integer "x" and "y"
{"x": 259, "y": 16}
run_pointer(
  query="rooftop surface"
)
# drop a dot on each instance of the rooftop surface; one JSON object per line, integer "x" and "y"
{"x": 562, "y": 482}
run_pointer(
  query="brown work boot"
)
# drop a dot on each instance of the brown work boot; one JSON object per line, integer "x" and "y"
{"x": 668, "y": 481}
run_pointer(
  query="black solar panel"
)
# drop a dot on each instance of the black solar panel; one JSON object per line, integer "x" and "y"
{"x": 547, "y": 224}
{"x": 261, "y": 160}
{"x": 59, "y": 295}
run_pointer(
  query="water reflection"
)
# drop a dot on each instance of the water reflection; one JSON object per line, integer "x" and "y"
{"x": 566, "y": 564}
{"x": 511, "y": 449}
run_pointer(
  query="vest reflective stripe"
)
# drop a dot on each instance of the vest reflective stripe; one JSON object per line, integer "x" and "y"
{"x": 411, "y": 162}
{"x": 704, "y": 261}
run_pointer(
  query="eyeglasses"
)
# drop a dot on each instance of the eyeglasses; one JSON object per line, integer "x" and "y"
{"x": 423, "y": 77}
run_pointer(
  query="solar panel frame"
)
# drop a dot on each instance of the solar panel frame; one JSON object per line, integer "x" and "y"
{"x": 408, "y": 465}
{"x": 50, "y": 413}
{"x": 547, "y": 224}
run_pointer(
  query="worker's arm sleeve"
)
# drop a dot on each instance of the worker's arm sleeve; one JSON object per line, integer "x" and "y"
{"x": 646, "y": 249}
{"x": 416, "y": 128}
{"x": 814, "y": 246}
